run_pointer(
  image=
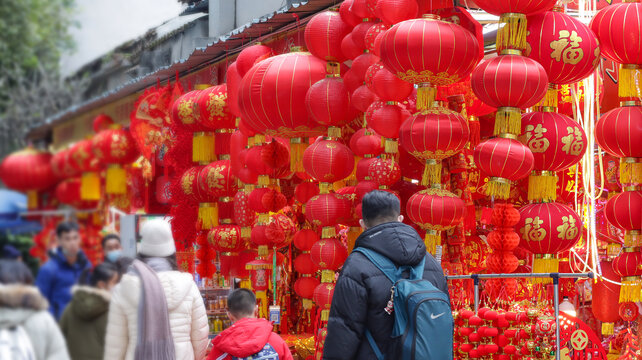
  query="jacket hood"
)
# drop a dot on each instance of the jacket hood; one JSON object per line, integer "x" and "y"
{"x": 19, "y": 302}
{"x": 244, "y": 338}
{"x": 396, "y": 240}
{"x": 88, "y": 302}
{"x": 176, "y": 286}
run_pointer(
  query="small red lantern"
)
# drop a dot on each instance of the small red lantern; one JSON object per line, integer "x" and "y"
{"x": 61, "y": 165}
{"x": 226, "y": 238}
{"x": 547, "y": 229}
{"x": 304, "y": 286}
{"x": 386, "y": 119}
{"x": 116, "y": 147}
{"x": 233, "y": 81}
{"x": 323, "y": 35}
{"x": 359, "y": 33}
{"x": 347, "y": 15}
{"x": 68, "y": 192}
{"x": 627, "y": 265}
{"x": 387, "y": 86}
{"x": 214, "y": 111}
{"x": 624, "y": 211}
{"x": 250, "y": 56}
{"x": 185, "y": 111}
{"x": 304, "y": 239}
{"x": 328, "y": 161}
{"x": 328, "y": 102}
{"x": 28, "y": 170}
{"x": 504, "y": 160}
{"x": 323, "y": 298}
{"x": 329, "y": 254}
{"x": 363, "y": 97}
{"x": 385, "y": 172}
{"x": 350, "y": 49}
{"x": 303, "y": 264}
{"x": 365, "y": 143}
{"x": 605, "y": 297}
{"x": 394, "y": 11}
{"x": 372, "y": 35}
{"x": 617, "y": 132}
{"x": 305, "y": 190}
{"x": 328, "y": 210}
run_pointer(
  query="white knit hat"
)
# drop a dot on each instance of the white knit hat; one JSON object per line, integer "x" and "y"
{"x": 157, "y": 239}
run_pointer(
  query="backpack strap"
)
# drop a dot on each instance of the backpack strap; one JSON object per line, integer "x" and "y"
{"x": 389, "y": 269}
{"x": 373, "y": 345}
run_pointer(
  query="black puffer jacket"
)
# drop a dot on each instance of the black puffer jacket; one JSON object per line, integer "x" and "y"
{"x": 362, "y": 292}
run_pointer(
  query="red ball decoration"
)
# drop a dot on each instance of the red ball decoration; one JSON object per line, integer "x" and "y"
{"x": 304, "y": 287}
{"x": 28, "y": 170}
{"x": 115, "y": 146}
{"x": 328, "y": 210}
{"x": 328, "y": 161}
{"x": 386, "y": 118}
{"x": 372, "y": 35}
{"x": 329, "y": 254}
{"x": 394, "y": 11}
{"x": 360, "y": 31}
{"x": 304, "y": 239}
{"x": 349, "y": 48}
{"x": 504, "y": 160}
{"x": 365, "y": 142}
{"x": 429, "y": 51}
{"x": 217, "y": 180}
{"x": 328, "y": 102}
{"x": 548, "y": 228}
{"x": 102, "y": 122}
{"x": 323, "y": 296}
{"x": 566, "y": 48}
{"x": 226, "y": 238}
{"x": 323, "y": 35}
{"x": 305, "y": 190}
{"x": 214, "y": 111}
{"x": 385, "y": 172}
{"x": 272, "y": 95}
{"x": 435, "y": 209}
{"x": 250, "y": 56}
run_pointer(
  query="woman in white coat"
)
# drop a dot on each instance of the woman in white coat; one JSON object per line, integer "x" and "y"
{"x": 156, "y": 312}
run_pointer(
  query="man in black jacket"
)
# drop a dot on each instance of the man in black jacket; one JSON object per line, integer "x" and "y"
{"x": 362, "y": 290}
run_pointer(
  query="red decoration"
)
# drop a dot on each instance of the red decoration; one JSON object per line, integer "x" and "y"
{"x": 618, "y": 131}
{"x": 359, "y": 33}
{"x": 386, "y": 118}
{"x": 185, "y": 111}
{"x": 61, "y": 165}
{"x": 305, "y": 190}
{"x": 28, "y": 170}
{"x": 347, "y": 15}
{"x": 68, "y": 192}
{"x": 226, "y": 238}
{"x": 114, "y": 146}
{"x": 625, "y": 20}
{"x": 365, "y": 142}
{"x": 304, "y": 239}
{"x": 350, "y": 49}
{"x": 372, "y": 35}
{"x": 216, "y": 179}
{"x": 214, "y": 111}
{"x": 384, "y": 172}
{"x": 304, "y": 287}
{"x": 323, "y": 35}
{"x": 528, "y": 7}
{"x": 233, "y": 81}
{"x": 394, "y": 11}
{"x": 102, "y": 122}
{"x": 328, "y": 161}
{"x": 624, "y": 210}
{"x": 387, "y": 86}
{"x": 435, "y": 209}
{"x": 328, "y": 102}
{"x": 250, "y": 56}
{"x": 505, "y": 160}
{"x": 329, "y": 254}
{"x": 327, "y": 210}
{"x": 363, "y": 97}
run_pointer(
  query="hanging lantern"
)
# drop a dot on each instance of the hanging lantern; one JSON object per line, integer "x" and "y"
{"x": 323, "y": 299}
{"x": 547, "y": 229}
{"x": 372, "y": 35}
{"x": 304, "y": 287}
{"x": 68, "y": 192}
{"x": 624, "y": 211}
{"x": 323, "y": 35}
{"x": 61, "y": 165}
{"x": 83, "y": 159}
{"x": 213, "y": 109}
{"x": 347, "y": 15}
{"x": 386, "y": 119}
{"x": 504, "y": 160}
{"x": 359, "y": 33}
{"x": 435, "y": 210}
{"x": 394, "y": 11}
{"x": 328, "y": 210}
{"x": 509, "y": 83}
{"x": 115, "y": 147}
{"x": 28, "y": 170}
{"x": 304, "y": 239}
{"x": 329, "y": 255}
{"x": 619, "y": 29}
{"x": 385, "y": 172}
{"x": 233, "y": 81}
{"x": 243, "y": 215}
{"x": 627, "y": 265}
{"x": 328, "y": 102}
{"x": 557, "y": 143}
{"x": 328, "y": 161}
{"x": 408, "y": 49}
{"x": 250, "y": 56}
{"x": 350, "y": 50}
{"x": 433, "y": 135}
{"x": 617, "y": 132}
{"x": 606, "y": 293}
{"x": 226, "y": 239}
{"x": 366, "y": 143}
{"x": 386, "y": 85}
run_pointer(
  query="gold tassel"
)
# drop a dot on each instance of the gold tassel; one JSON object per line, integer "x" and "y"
{"x": 328, "y": 232}
{"x": 608, "y": 328}
{"x": 425, "y": 97}
{"x": 432, "y": 173}
{"x": 391, "y": 146}
{"x": 325, "y": 315}
{"x": 353, "y": 234}
{"x": 432, "y": 241}
{"x": 499, "y": 188}
{"x": 116, "y": 180}
{"x": 632, "y": 238}
{"x": 264, "y": 180}
{"x": 297, "y": 148}
{"x": 630, "y": 170}
{"x": 613, "y": 249}
{"x": 264, "y": 218}
{"x": 508, "y": 120}
{"x": 513, "y": 34}
{"x": 546, "y": 263}
{"x": 208, "y": 215}
{"x": 307, "y": 303}
{"x": 203, "y": 150}
{"x": 327, "y": 276}
{"x": 263, "y": 250}
{"x": 629, "y": 81}
{"x": 334, "y": 132}
{"x": 90, "y": 186}
{"x": 32, "y": 199}
{"x": 542, "y": 186}
{"x": 246, "y": 232}
{"x": 333, "y": 68}
{"x": 262, "y": 302}
{"x": 549, "y": 102}
{"x": 630, "y": 289}
{"x": 324, "y": 188}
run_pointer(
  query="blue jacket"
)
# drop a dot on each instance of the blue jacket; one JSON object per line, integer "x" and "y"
{"x": 56, "y": 277}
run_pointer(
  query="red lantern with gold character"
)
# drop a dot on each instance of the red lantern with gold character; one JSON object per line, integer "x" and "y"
{"x": 557, "y": 142}
{"x": 226, "y": 239}
{"x": 617, "y": 132}
{"x": 213, "y": 109}
{"x": 329, "y": 254}
{"x": 323, "y": 35}
{"x": 61, "y": 165}
{"x": 433, "y": 135}
{"x": 28, "y": 170}
{"x": 547, "y": 229}
{"x": 115, "y": 147}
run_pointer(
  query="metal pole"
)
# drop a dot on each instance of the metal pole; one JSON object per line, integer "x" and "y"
{"x": 522, "y": 275}
{"x": 556, "y": 304}
{"x": 476, "y": 285}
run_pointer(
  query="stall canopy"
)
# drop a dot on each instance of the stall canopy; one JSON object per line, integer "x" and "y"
{"x": 11, "y": 205}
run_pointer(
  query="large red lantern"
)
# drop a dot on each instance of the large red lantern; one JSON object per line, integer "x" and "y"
{"x": 619, "y": 29}
{"x": 323, "y": 35}
{"x": 566, "y": 48}
{"x": 329, "y": 254}
{"x": 557, "y": 143}
{"x": 214, "y": 111}
{"x": 509, "y": 82}
{"x": 504, "y": 160}
{"x": 61, "y": 165}
{"x": 435, "y": 210}
{"x": 226, "y": 238}
{"x": 250, "y": 56}
{"x": 547, "y": 229}
{"x": 217, "y": 180}
{"x": 328, "y": 161}
{"x": 28, "y": 170}
{"x": 433, "y": 135}
{"x": 409, "y": 49}
{"x": 328, "y": 210}
{"x": 624, "y": 211}
{"x": 618, "y": 132}
{"x": 328, "y": 102}
{"x": 185, "y": 111}
{"x": 115, "y": 147}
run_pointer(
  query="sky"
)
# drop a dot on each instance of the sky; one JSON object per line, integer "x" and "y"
{"x": 105, "y": 24}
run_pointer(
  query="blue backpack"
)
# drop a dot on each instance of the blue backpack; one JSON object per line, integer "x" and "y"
{"x": 424, "y": 323}
{"x": 267, "y": 353}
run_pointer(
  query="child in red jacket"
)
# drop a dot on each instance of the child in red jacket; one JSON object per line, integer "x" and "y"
{"x": 248, "y": 336}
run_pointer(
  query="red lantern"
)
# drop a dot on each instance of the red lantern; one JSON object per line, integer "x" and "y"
{"x": 385, "y": 172}
{"x": 328, "y": 102}
{"x": 365, "y": 142}
{"x": 372, "y": 35}
{"x": 394, "y": 11}
{"x": 102, "y": 122}
{"x": 387, "y": 86}
{"x": 304, "y": 286}
{"x": 547, "y": 229}
{"x": 527, "y": 7}
{"x": 347, "y": 15}
{"x": 272, "y": 95}
{"x": 504, "y": 160}
{"x": 233, "y": 81}
{"x": 329, "y": 254}
{"x": 433, "y": 135}
{"x": 509, "y": 82}
{"x": 250, "y": 56}
{"x": 323, "y": 35}
{"x": 323, "y": 298}
{"x": 28, "y": 170}
{"x": 305, "y": 190}
{"x": 359, "y": 33}
{"x": 624, "y": 211}
{"x": 328, "y": 210}
{"x": 363, "y": 97}
{"x": 362, "y": 63}
{"x": 304, "y": 239}
{"x": 115, "y": 147}
{"x": 627, "y": 265}
{"x": 243, "y": 215}
{"x": 226, "y": 238}
{"x": 386, "y": 118}
{"x": 617, "y": 132}
{"x": 328, "y": 161}
{"x": 566, "y": 48}
{"x": 61, "y": 165}
{"x": 185, "y": 111}
{"x": 216, "y": 179}
{"x": 83, "y": 157}
{"x": 557, "y": 143}
{"x": 214, "y": 111}
{"x": 68, "y": 192}
{"x": 350, "y": 49}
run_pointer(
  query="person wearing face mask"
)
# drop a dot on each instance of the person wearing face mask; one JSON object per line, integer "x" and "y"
{"x": 84, "y": 321}
{"x": 62, "y": 271}
{"x": 112, "y": 248}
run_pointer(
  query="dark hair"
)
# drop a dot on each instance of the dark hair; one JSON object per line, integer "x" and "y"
{"x": 102, "y": 272}
{"x": 241, "y": 302}
{"x": 15, "y": 272}
{"x": 379, "y": 207}
{"x": 171, "y": 259}
{"x": 123, "y": 263}
{"x": 110, "y": 237}
{"x": 65, "y": 227}
{"x": 10, "y": 252}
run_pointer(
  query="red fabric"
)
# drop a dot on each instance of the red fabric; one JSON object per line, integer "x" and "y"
{"x": 625, "y": 20}
{"x": 247, "y": 337}
{"x": 565, "y": 60}
{"x": 323, "y": 36}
